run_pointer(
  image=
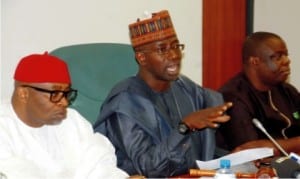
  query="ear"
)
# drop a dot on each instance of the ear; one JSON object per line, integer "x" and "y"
{"x": 140, "y": 57}
{"x": 254, "y": 60}
{"x": 22, "y": 93}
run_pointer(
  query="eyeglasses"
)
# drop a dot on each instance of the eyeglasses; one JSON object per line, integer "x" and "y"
{"x": 162, "y": 50}
{"x": 277, "y": 56}
{"x": 57, "y": 95}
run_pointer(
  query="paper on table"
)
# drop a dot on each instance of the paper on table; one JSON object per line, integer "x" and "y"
{"x": 237, "y": 158}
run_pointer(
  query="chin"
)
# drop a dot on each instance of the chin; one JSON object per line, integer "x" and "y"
{"x": 284, "y": 79}
{"x": 173, "y": 77}
{"x": 57, "y": 122}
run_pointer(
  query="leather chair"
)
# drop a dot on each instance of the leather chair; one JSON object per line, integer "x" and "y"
{"x": 94, "y": 69}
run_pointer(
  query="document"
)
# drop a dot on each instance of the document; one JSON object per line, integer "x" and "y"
{"x": 238, "y": 158}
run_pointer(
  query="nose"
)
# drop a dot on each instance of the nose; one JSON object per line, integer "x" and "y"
{"x": 174, "y": 54}
{"x": 286, "y": 60}
{"x": 63, "y": 102}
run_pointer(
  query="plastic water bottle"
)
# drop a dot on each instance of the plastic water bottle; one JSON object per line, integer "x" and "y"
{"x": 224, "y": 172}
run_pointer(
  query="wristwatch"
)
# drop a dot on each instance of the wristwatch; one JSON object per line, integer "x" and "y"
{"x": 183, "y": 128}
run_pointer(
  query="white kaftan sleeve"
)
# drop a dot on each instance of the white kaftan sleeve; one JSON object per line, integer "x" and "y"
{"x": 98, "y": 159}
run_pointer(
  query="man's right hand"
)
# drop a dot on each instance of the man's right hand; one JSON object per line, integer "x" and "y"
{"x": 209, "y": 117}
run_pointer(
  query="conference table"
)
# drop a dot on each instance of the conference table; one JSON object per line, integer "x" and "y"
{"x": 262, "y": 172}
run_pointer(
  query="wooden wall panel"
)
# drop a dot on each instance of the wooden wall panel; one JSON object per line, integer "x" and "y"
{"x": 224, "y": 29}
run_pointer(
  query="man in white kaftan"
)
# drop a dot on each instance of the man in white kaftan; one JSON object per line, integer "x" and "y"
{"x": 67, "y": 150}
{"x": 41, "y": 138}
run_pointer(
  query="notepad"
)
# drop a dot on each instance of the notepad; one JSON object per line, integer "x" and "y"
{"x": 237, "y": 158}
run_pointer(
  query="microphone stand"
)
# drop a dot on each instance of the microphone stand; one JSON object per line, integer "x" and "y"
{"x": 260, "y": 126}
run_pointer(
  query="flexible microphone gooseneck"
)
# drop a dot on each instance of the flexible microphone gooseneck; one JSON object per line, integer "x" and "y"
{"x": 258, "y": 124}
{"x": 286, "y": 167}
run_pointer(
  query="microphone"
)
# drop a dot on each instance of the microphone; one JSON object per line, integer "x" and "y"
{"x": 259, "y": 125}
{"x": 286, "y": 167}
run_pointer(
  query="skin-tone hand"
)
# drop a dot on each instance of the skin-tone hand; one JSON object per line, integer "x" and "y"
{"x": 256, "y": 144}
{"x": 289, "y": 145}
{"x": 209, "y": 117}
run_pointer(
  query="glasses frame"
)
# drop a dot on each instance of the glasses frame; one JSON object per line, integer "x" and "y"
{"x": 277, "y": 56}
{"x": 165, "y": 50}
{"x": 65, "y": 94}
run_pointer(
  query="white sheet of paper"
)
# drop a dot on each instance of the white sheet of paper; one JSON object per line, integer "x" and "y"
{"x": 237, "y": 158}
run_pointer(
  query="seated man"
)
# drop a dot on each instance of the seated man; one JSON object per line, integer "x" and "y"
{"x": 261, "y": 91}
{"x": 159, "y": 121}
{"x": 40, "y": 137}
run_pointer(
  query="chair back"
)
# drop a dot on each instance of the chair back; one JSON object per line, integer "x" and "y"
{"x": 95, "y": 68}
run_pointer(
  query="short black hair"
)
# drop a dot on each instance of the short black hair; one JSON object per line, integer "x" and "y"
{"x": 254, "y": 42}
